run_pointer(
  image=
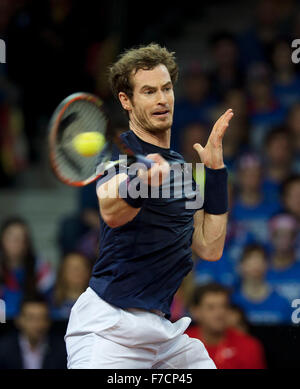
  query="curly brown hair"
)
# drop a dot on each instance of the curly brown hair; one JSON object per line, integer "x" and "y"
{"x": 142, "y": 57}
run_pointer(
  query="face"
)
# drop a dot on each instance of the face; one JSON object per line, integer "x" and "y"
{"x": 292, "y": 199}
{"x": 283, "y": 239}
{"x": 294, "y": 121}
{"x": 211, "y": 313}
{"x": 34, "y": 321}
{"x": 14, "y": 240}
{"x": 250, "y": 178}
{"x": 195, "y": 133}
{"x": 260, "y": 90}
{"x": 282, "y": 56}
{"x": 267, "y": 12}
{"x": 76, "y": 271}
{"x": 225, "y": 52}
{"x": 152, "y": 104}
{"x": 254, "y": 266}
{"x": 236, "y": 99}
{"x": 196, "y": 87}
{"x": 279, "y": 150}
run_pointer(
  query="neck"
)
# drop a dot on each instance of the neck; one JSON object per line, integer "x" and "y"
{"x": 250, "y": 197}
{"x": 34, "y": 342}
{"x": 256, "y": 289}
{"x": 160, "y": 139}
{"x": 211, "y": 337}
{"x": 262, "y": 104}
{"x": 282, "y": 259}
{"x": 14, "y": 261}
{"x": 278, "y": 172}
{"x": 285, "y": 75}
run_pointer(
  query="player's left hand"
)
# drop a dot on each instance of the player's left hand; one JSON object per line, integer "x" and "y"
{"x": 212, "y": 154}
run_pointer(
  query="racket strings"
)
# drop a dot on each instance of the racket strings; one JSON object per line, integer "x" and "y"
{"x": 79, "y": 117}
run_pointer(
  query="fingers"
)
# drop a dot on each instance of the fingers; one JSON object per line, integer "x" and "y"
{"x": 156, "y": 158}
{"x": 222, "y": 124}
{"x": 158, "y": 172}
{"x": 227, "y": 116}
{"x": 161, "y": 166}
{"x": 198, "y": 148}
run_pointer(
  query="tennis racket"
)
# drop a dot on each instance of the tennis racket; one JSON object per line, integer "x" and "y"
{"x": 75, "y": 115}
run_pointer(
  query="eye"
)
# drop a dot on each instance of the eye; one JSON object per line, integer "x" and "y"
{"x": 149, "y": 92}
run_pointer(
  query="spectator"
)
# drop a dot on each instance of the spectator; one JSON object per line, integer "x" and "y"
{"x": 291, "y": 195}
{"x": 22, "y": 272}
{"x": 260, "y": 302}
{"x": 286, "y": 82}
{"x": 278, "y": 162}
{"x": 193, "y": 133}
{"x": 238, "y": 235}
{"x": 32, "y": 346}
{"x": 295, "y": 23}
{"x": 265, "y": 110}
{"x": 179, "y": 307}
{"x": 284, "y": 272}
{"x": 227, "y": 73}
{"x": 235, "y": 141}
{"x": 222, "y": 271}
{"x": 252, "y": 209}
{"x": 83, "y": 226}
{"x": 229, "y": 348}
{"x": 237, "y": 319}
{"x": 13, "y": 145}
{"x": 293, "y": 123}
{"x": 72, "y": 280}
{"x": 255, "y": 43}
{"x": 195, "y": 105}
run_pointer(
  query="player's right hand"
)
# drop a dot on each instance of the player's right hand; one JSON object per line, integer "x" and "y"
{"x": 157, "y": 174}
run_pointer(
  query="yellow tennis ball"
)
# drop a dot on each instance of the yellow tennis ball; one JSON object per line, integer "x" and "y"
{"x": 88, "y": 144}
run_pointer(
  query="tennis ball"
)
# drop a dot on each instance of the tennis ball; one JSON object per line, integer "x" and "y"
{"x": 88, "y": 144}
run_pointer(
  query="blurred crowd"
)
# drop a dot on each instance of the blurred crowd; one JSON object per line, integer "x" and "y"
{"x": 258, "y": 276}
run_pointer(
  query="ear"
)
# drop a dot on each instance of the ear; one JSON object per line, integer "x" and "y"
{"x": 125, "y": 101}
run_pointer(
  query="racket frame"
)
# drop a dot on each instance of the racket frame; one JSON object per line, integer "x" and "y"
{"x": 53, "y": 130}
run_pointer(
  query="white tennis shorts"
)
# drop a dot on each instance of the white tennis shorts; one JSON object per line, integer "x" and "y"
{"x": 103, "y": 336}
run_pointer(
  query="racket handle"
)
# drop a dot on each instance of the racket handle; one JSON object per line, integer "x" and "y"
{"x": 146, "y": 161}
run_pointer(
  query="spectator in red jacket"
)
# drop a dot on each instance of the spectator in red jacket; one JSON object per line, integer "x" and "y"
{"x": 228, "y": 347}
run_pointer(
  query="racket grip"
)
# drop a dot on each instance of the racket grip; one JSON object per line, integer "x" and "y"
{"x": 146, "y": 161}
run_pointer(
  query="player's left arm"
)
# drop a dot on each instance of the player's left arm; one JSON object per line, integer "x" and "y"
{"x": 209, "y": 235}
{"x": 210, "y": 229}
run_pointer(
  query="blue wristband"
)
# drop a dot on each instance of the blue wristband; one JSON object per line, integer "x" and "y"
{"x": 215, "y": 191}
{"x": 125, "y": 194}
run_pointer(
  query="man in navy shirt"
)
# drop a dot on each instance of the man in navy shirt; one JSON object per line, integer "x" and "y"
{"x": 122, "y": 320}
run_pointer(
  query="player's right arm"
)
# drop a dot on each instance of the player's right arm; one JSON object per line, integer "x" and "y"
{"x": 115, "y": 211}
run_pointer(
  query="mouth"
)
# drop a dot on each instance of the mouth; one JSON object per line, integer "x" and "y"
{"x": 162, "y": 113}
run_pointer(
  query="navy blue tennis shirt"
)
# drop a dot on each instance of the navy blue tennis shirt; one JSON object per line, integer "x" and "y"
{"x": 142, "y": 263}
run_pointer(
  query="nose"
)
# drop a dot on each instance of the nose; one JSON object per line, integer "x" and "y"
{"x": 162, "y": 99}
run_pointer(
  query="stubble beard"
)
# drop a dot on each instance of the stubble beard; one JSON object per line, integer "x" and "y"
{"x": 148, "y": 125}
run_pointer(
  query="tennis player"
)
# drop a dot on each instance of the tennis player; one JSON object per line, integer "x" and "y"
{"x": 122, "y": 320}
